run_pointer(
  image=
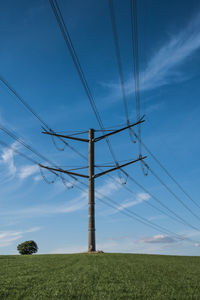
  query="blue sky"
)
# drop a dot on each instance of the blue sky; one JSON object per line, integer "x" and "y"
{"x": 35, "y": 61}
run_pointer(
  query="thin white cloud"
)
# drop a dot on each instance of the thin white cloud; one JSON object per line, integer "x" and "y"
{"x": 159, "y": 217}
{"x": 78, "y": 203}
{"x": 140, "y": 197}
{"x": 108, "y": 188}
{"x": 7, "y": 238}
{"x": 42, "y": 210}
{"x": 163, "y": 67}
{"x": 197, "y": 244}
{"x": 37, "y": 178}
{"x": 7, "y": 158}
{"x": 160, "y": 238}
{"x": 27, "y": 171}
{"x": 33, "y": 229}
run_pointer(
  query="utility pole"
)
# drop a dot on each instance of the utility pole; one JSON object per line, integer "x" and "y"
{"x": 91, "y": 174}
{"x": 91, "y": 196}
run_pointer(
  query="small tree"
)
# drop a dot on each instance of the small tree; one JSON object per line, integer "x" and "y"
{"x": 27, "y": 248}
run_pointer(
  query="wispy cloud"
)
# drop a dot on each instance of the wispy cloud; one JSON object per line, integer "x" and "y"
{"x": 140, "y": 197}
{"x": 108, "y": 188}
{"x": 159, "y": 217}
{"x": 163, "y": 67}
{"x": 42, "y": 210}
{"x": 37, "y": 177}
{"x": 27, "y": 171}
{"x": 33, "y": 229}
{"x": 160, "y": 238}
{"x": 78, "y": 203}
{"x": 7, "y": 158}
{"x": 8, "y": 237}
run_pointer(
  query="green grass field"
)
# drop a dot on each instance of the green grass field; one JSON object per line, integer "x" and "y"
{"x": 99, "y": 276}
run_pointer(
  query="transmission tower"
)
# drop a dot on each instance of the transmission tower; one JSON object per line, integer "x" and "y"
{"x": 92, "y": 175}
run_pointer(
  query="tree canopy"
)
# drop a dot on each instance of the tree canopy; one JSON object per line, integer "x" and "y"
{"x": 27, "y": 248}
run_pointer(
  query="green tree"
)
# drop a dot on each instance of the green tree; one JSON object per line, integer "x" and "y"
{"x": 27, "y": 248}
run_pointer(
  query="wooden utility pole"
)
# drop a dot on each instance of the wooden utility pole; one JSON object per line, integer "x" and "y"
{"x": 92, "y": 175}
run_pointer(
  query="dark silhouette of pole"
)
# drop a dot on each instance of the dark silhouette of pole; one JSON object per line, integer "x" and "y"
{"x": 91, "y": 196}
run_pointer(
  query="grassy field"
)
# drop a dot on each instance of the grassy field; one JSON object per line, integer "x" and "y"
{"x": 99, "y": 276}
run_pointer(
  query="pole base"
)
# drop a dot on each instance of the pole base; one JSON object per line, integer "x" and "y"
{"x": 94, "y": 252}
